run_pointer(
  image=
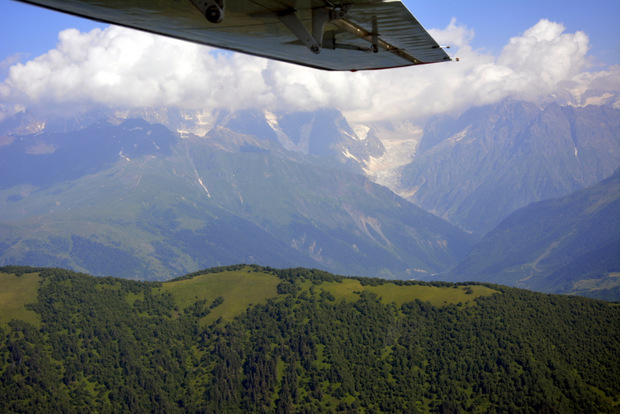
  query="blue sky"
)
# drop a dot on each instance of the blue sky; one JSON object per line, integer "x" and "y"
{"x": 508, "y": 49}
{"x": 495, "y": 22}
{"x": 32, "y": 31}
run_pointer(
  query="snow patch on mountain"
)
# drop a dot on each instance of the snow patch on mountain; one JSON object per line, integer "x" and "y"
{"x": 400, "y": 142}
{"x": 283, "y": 139}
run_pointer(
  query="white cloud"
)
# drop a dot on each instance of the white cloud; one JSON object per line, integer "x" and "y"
{"x": 118, "y": 67}
{"x": 545, "y": 55}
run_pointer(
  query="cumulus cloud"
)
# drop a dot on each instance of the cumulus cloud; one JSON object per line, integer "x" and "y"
{"x": 118, "y": 67}
{"x": 126, "y": 68}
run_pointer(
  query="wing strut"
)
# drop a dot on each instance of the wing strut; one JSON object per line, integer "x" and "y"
{"x": 320, "y": 16}
{"x": 290, "y": 20}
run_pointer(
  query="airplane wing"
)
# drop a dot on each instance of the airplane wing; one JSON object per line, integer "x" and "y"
{"x": 325, "y": 34}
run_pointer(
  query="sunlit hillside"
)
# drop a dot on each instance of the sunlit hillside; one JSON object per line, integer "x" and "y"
{"x": 253, "y": 339}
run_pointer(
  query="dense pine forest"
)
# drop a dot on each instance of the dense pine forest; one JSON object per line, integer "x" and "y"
{"x": 255, "y": 339}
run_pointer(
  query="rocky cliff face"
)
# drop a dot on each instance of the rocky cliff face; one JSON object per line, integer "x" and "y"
{"x": 476, "y": 169}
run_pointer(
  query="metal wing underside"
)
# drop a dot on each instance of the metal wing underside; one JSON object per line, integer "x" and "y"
{"x": 253, "y": 27}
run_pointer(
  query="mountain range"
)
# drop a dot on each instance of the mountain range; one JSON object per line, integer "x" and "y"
{"x": 137, "y": 200}
{"x": 151, "y": 194}
{"x": 569, "y": 244}
{"x": 476, "y": 168}
{"x": 565, "y": 245}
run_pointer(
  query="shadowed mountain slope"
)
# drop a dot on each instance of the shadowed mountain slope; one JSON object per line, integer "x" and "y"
{"x": 476, "y": 169}
{"x": 562, "y": 245}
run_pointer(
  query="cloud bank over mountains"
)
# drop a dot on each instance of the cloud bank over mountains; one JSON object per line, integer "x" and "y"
{"x": 123, "y": 68}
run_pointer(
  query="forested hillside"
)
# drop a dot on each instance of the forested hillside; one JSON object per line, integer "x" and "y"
{"x": 253, "y": 339}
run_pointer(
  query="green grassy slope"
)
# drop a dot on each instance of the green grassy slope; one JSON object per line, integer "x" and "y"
{"x": 252, "y": 339}
{"x": 351, "y": 289}
{"x": 16, "y": 291}
{"x": 238, "y": 289}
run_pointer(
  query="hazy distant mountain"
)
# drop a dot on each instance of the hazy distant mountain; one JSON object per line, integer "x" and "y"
{"x": 563, "y": 245}
{"x": 136, "y": 200}
{"x": 44, "y": 159}
{"x": 324, "y": 133}
{"x": 477, "y": 168}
